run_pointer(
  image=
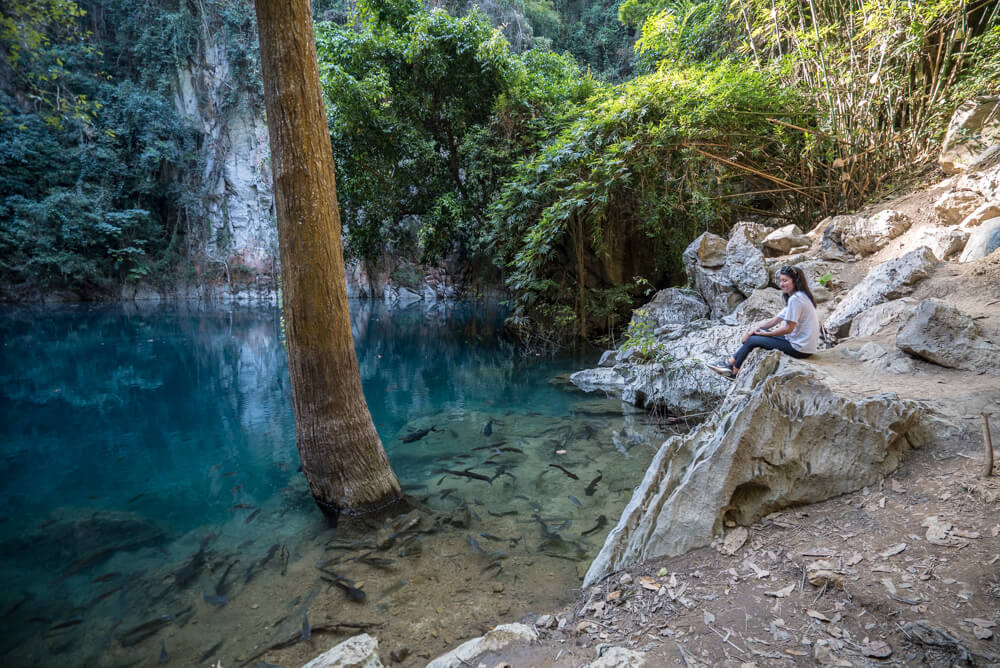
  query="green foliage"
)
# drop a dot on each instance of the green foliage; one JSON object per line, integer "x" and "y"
{"x": 826, "y": 280}
{"x": 683, "y": 32}
{"x": 426, "y": 116}
{"x": 640, "y": 162}
{"x": 591, "y": 32}
{"x": 639, "y": 339}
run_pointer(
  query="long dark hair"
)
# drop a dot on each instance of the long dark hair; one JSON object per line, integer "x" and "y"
{"x": 799, "y": 281}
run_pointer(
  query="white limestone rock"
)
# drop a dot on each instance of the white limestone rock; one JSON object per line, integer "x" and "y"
{"x": 787, "y": 434}
{"x": 671, "y": 306}
{"x": 955, "y": 205}
{"x": 708, "y": 250}
{"x": 882, "y": 316}
{"x": 873, "y": 233}
{"x": 497, "y": 639}
{"x": 745, "y": 264}
{"x": 361, "y": 651}
{"x": 943, "y": 241}
{"x": 973, "y": 135}
{"x": 711, "y": 280}
{"x": 940, "y": 333}
{"x": 982, "y": 241}
{"x": 603, "y": 379}
{"x": 785, "y": 240}
{"x": 892, "y": 279}
{"x": 985, "y": 211}
{"x": 619, "y": 657}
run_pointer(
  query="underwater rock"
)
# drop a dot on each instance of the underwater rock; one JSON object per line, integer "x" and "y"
{"x": 72, "y": 533}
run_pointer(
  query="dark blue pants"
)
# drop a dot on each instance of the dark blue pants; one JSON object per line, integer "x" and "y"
{"x": 768, "y": 343}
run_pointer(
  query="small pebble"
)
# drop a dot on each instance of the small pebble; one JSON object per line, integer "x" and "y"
{"x": 497, "y": 587}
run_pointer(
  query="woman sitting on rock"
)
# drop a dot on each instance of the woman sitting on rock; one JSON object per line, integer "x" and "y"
{"x": 797, "y": 335}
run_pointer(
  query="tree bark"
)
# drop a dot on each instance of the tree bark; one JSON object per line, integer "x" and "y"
{"x": 342, "y": 457}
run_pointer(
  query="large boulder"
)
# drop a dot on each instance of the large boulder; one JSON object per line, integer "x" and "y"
{"x": 973, "y": 135}
{"x": 832, "y": 241}
{"x": 671, "y": 306}
{"x": 704, "y": 262}
{"x": 882, "y": 316}
{"x": 955, "y": 205}
{"x": 744, "y": 261}
{"x": 785, "y": 240}
{"x": 497, "y": 639}
{"x": 892, "y": 279}
{"x": 787, "y": 434}
{"x": 873, "y": 233}
{"x": 361, "y": 651}
{"x": 982, "y": 241}
{"x": 940, "y": 333}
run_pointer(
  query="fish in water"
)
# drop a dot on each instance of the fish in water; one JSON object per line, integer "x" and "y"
{"x": 502, "y": 514}
{"x": 490, "y": 536}
{"x": 475, "y": 544}
{"x": 592, "y": 487}
{"x": 211, "y": 651}
{"x": 164, "y": 657}
{"x": 137, "y": 634}
{"x": 106, "y": 577}
{"x": 601, "y": 522}
{"x": 575, "y": 501}
{"x": 242, "y": 506}
{"x": 136, "y": 497}
{"x": 250, "y": 517}
{"x": 546, "y": 532}
{"x": 566, "y": 471}
{"x": 222, "y": 587}
{"x": 61, "y": 626}
{"x": 467, "y": 474}
{"x": 307, "y": 628}
{"x": 353, "y": 593}
{"x": 100, "y": 597}
{"x": 488, "y": 429}
{"x": 446, "y": 491}
{"x": 417, "y": 435}
{"x": 187, "y": 573}
{"x": 214, "y": 599}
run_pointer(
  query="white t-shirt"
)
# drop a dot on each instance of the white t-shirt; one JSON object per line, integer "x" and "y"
{"x": 800, "y": 310}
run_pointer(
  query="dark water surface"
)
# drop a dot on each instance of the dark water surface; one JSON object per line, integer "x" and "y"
{"x": 153, "y": 508}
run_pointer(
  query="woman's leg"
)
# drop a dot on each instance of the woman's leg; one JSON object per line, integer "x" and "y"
{"x": 768, "y": 343}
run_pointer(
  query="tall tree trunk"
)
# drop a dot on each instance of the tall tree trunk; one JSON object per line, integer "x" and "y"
{"x": 342, "y": 456}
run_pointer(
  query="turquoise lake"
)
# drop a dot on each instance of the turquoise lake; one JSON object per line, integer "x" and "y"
{"x": 150, "y": 476}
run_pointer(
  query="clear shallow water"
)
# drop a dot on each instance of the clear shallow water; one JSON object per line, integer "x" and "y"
{"x": 132, "y": 440}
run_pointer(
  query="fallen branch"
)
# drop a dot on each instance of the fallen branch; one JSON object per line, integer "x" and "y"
{"x": 987, "y": 446}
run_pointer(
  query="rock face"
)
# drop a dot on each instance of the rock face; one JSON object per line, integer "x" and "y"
{"x": 943, "y": 241}
{"x": 973, "y": 135}
{"x": 940, "y": 333}
{"x": 497, "y": 639}
{"x": 982, "y": 241}
{"x": 237, "y": 173}
{"x": 982, "y": 213}
{"x": 889, "y": 280}
{"x": 785, "y": 436}
{"x": 358, "y": 652}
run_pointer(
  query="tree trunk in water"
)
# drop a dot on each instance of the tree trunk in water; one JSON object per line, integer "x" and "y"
{"x": 342, "y": 456}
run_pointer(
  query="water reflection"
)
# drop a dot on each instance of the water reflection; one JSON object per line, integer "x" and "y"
{"x": 152, "y": 499}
